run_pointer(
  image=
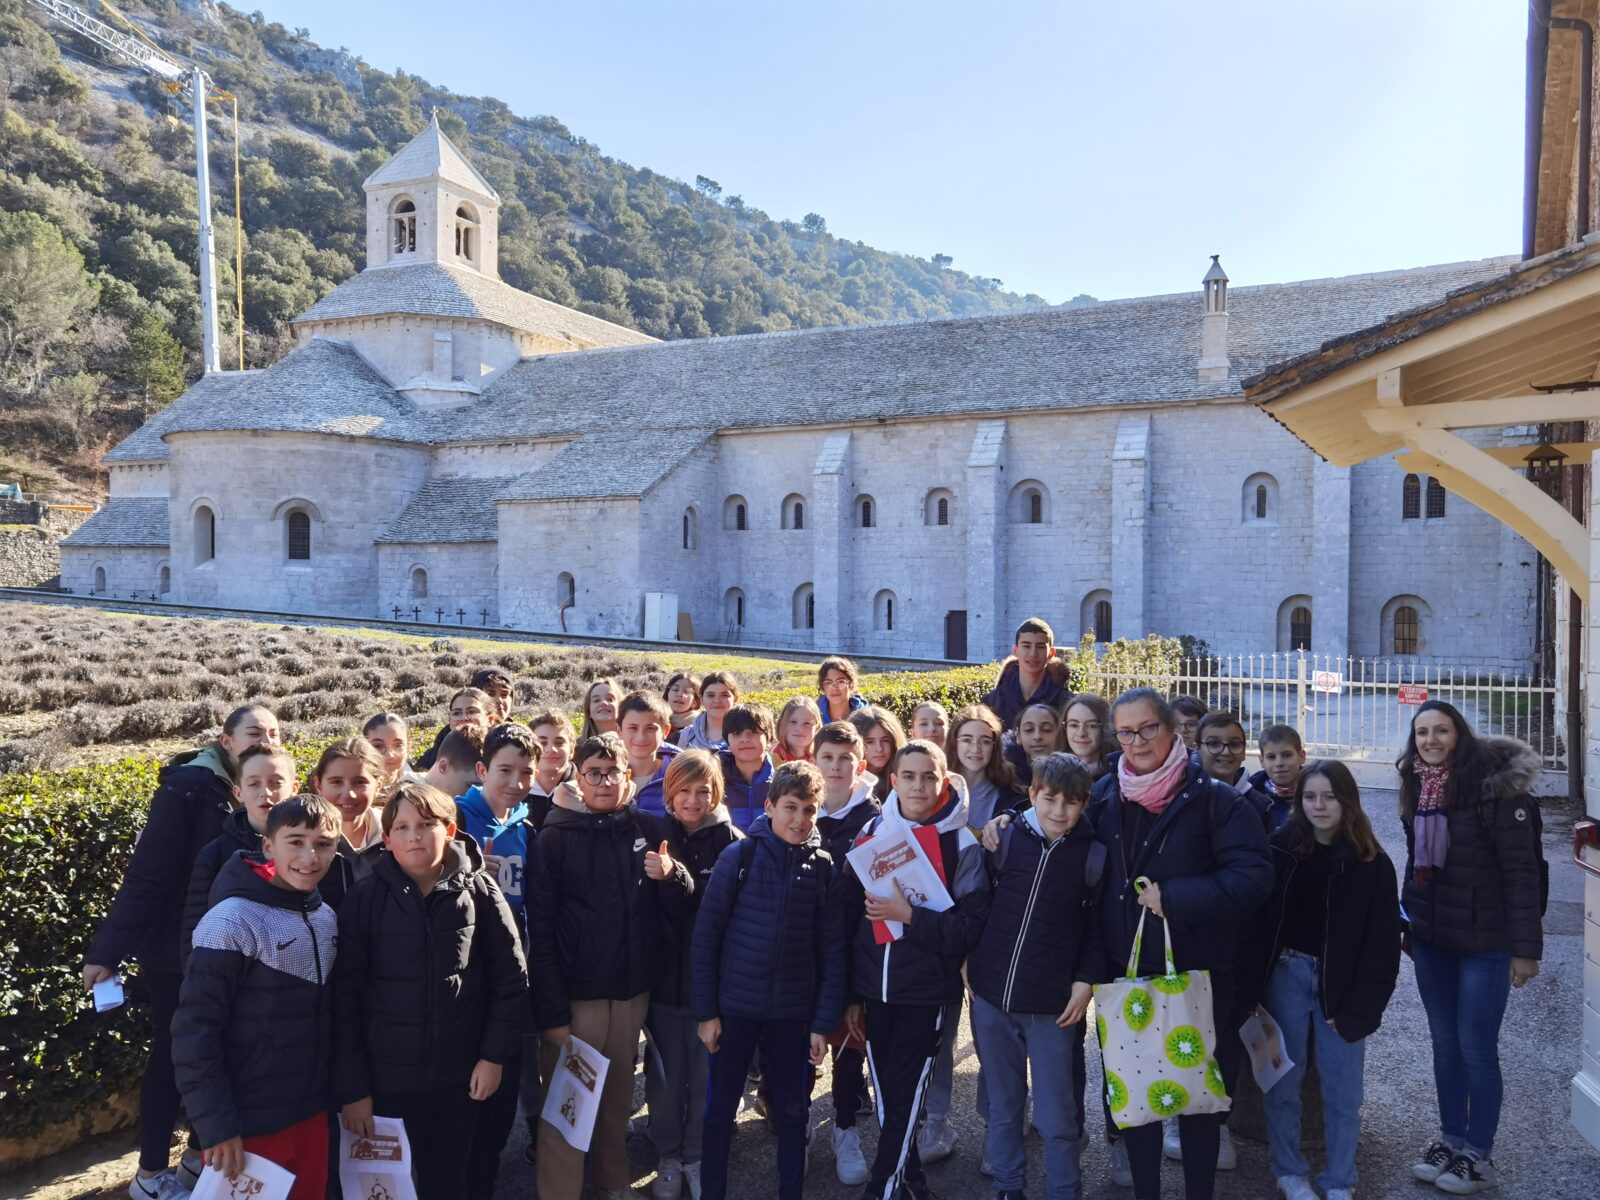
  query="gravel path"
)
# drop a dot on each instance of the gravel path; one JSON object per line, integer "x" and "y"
{"x": 1538, "y": 1151}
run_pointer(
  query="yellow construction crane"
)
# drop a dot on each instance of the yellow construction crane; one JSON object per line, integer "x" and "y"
{"x": 127, "y": 42}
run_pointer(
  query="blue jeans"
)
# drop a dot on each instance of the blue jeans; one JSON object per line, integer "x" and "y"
{"x": 1292, "y": 1001}
{"x": 1011, "y": 1042}
{"x": 1465, "y": 997}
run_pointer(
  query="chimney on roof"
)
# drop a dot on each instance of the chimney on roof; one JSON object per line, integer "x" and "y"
{"x": 1213, "y": 363}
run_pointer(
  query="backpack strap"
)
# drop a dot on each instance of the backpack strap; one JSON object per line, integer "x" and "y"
{"x": 747, "y": 858}
{"x": 1004, "y": 848}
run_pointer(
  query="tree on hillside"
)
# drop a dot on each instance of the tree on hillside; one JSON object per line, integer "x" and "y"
{"x": 814, "y": 223}
{"x": 44, "y": 291}
{"x": 154, "y": 360}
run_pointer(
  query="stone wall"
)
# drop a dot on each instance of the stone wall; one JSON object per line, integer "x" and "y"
{"x": 28, "y": 557}
{"x": 456, "y": 575}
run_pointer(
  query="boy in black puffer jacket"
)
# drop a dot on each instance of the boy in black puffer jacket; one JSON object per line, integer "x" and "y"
{"x": 253, "y": 1032}
{"x": 1032, "y": 973}
{"x": 266, "y": 776}
{"x": 430, "y": 991}
{"x": 769, "y": 973}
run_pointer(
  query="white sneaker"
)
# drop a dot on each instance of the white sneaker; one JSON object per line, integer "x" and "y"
{"x": 668, "y": 1183}
{"x": 1227, "y": 1156}
{"x": 691, "y": 1177}
{"x": 1467, "y": 1176}
{"x": 1433, "y": 1162}
{"x": 188, "y": 1172}
{"x": 849, "y": 1164}
{"x": 1341, "y": 1194}
{"x": 1117, "y": 1158}
{"x": 936, "y": 1140}
{"x": 1171, "y": 1145}
{"x": 1296, "y": 1187}
{"x": 163, "y": 1185}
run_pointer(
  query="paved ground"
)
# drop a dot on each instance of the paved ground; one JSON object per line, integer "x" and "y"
{"x": 1538, "y": 1152}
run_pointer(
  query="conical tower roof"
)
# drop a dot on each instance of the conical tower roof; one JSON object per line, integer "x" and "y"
{"x": 431, "y": 155}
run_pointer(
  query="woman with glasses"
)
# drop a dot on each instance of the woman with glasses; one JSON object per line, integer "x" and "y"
{"x": 594, "y": 914}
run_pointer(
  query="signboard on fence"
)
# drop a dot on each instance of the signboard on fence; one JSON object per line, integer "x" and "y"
{"x": 1411, "y": 693}
{"x": 1327, "y": 682}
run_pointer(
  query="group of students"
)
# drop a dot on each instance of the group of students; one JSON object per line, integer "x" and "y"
{"x": 420, "y": 941}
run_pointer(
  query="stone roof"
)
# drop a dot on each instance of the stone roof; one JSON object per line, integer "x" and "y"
{"x": 447, "y": 290}
{"x": 321, "y": 387}
{"x": 619, "y": 462}
{"x": 1114, "y": 352}
{"x": 124, "y": 521}
{"x": 430, "y": 155}
{"x": 451, "y": 508}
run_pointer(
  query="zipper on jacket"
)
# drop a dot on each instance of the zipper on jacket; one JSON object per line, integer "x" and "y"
{"x": 1327, "y": 933}
{"x": 1277, "y": 933}
{"x": 777, "y": 942}
{"x": 1027, "y": 916}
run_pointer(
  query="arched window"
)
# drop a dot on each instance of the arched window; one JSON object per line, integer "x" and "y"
{"x": 403, "y": 224}
{"x": 466, "y": 232}
{"x": 691, "y": 529}
{"x": 99, "y": 581}
{"x": 804, "y": 607}
{"x": 733, "y": 608}
{"x": 1410, "y": 498}
{"x": 419, "y": 583}
{"x": 205, "y": 534}
{"x": 1435, "y": 497}
{"x": 1294, "y": 624}
{"x": 566, "y": 591}
{"x": 1030, "y": 503}
{"x": 1259, "y": 501}
{"x": 883, "y": 611}
{"x": 1403, "y": 626}
{"x": 939, "y": 508}
{"x": 1094, "y": 615}
{"x": 297, "y": 531}
{"x": 864, "y": 513}
{"x": 164, "y": 580}
{"x": 793, "y": 515}
{"x": 734, "y": 510}
{"x": 1407, "y": 630}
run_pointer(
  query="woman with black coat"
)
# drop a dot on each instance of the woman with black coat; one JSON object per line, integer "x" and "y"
{"x": 1474, "y": 901}
{"x": 1329, "y": 942}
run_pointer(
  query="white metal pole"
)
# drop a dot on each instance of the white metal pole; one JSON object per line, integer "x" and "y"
{"x": 210, "y": 349}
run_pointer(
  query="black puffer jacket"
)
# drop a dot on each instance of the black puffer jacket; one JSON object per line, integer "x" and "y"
{"x": 1486, "y": 897}
{"x": 1043, "y": 933}
{"x": 425, "y": 986}
{"x": 1008, "y": 703}
{"x": 695, "y": 852}
{"x": 236, "y": 835}
{"x": 253, "y": 1034}
{"x": 1360, "y": 959}
{"x": 594, "y": 916}
{"x": 193, "y": 798}
{"x": 1208, "y": 852}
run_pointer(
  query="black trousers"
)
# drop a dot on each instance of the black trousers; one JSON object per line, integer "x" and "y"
{"x": 159, "y": 1100}
{"x": 439, "y": 1126}
{"x": 496, "y": 1116}
{"x": 849, "y": 1085}
{"x": 902, "y": 1044}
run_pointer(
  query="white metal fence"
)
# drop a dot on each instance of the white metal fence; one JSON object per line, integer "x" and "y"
{"x": 1358, "y": 708}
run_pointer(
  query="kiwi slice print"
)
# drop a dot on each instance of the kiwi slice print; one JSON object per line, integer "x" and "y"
{"x": 1167, "y": 1098}
{"x": 1139, "y": 1009}
{"x": 1172, "y": 985}
{"x": 1185, "y": 1047}
{"x": 1214, "y": 1083}
{"x": 1116, "y": 1092}
{"x": 1100, "y": 1028}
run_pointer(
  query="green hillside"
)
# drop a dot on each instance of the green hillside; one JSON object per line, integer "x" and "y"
{"x": 99, "y": 308}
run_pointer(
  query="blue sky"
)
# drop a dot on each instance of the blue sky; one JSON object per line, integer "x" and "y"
{"x": 1062, "y": 147}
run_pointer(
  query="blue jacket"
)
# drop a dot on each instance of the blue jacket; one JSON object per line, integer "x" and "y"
{"x": 746, "y": 800}
{"x": 649, "y": 797}
{"x": 770, "y": 947}
{"x": 510, "y": 836}
{"x": 252, "y": 1038}
{"x": 1208, "y": 852}
{"x": 1278, "y": 807}
{"x": 856, "y": 702}
{"x": 1007, "y": 701}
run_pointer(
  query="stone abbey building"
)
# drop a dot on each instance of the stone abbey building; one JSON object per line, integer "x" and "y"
{"x": 439, "y": 439}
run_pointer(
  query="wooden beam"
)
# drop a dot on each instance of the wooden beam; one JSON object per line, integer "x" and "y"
{"x": 1505, "y": 495}
{"x": 1473, "y": 414}
{"x": 1391, "y": 388}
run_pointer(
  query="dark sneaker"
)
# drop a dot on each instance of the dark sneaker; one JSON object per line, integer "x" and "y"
{"x": 1433, "y": 1162}
{"x": 1466, "y": 1176}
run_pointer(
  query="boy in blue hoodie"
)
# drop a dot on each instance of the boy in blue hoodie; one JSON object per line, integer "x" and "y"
{"x": 769, "y": 974}
{"x": 746, "y": 765}
{"x": 1283, "y": 757}
{"x": 252, "y": 1039}
{"x": 494, "y": 813}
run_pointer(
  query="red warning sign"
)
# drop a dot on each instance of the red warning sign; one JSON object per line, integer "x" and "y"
{"x": 1411, "y": 693}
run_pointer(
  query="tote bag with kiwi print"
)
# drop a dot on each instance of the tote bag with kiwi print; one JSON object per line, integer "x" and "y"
{"x": 1158, "y": 1042}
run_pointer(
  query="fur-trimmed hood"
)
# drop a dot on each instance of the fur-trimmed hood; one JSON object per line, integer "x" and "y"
{"x": 1509, "y": 766}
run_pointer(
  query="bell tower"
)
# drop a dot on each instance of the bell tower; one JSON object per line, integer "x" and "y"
{"x": 428, "y": 204}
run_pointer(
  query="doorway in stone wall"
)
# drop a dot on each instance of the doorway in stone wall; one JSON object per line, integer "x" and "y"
{"x": 955, "y": 635}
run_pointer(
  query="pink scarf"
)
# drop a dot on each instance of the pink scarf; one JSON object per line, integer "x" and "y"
{"x": 1430, "y": 824}
{"x": 1153, "y": 792}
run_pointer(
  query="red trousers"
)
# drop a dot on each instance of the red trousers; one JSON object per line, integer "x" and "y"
{"x": 301, "y": 1148}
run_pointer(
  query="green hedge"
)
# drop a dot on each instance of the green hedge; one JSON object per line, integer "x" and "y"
{"x": 65, "y": 840}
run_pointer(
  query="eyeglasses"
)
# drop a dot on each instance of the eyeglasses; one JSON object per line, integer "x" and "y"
{"x": 1084, "y": 726}
{"x": 1145, "y": 733}
{"x": 597, "y": 778}
{"x": 975, "y": 743}
{"x": 1217, "y": 747}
